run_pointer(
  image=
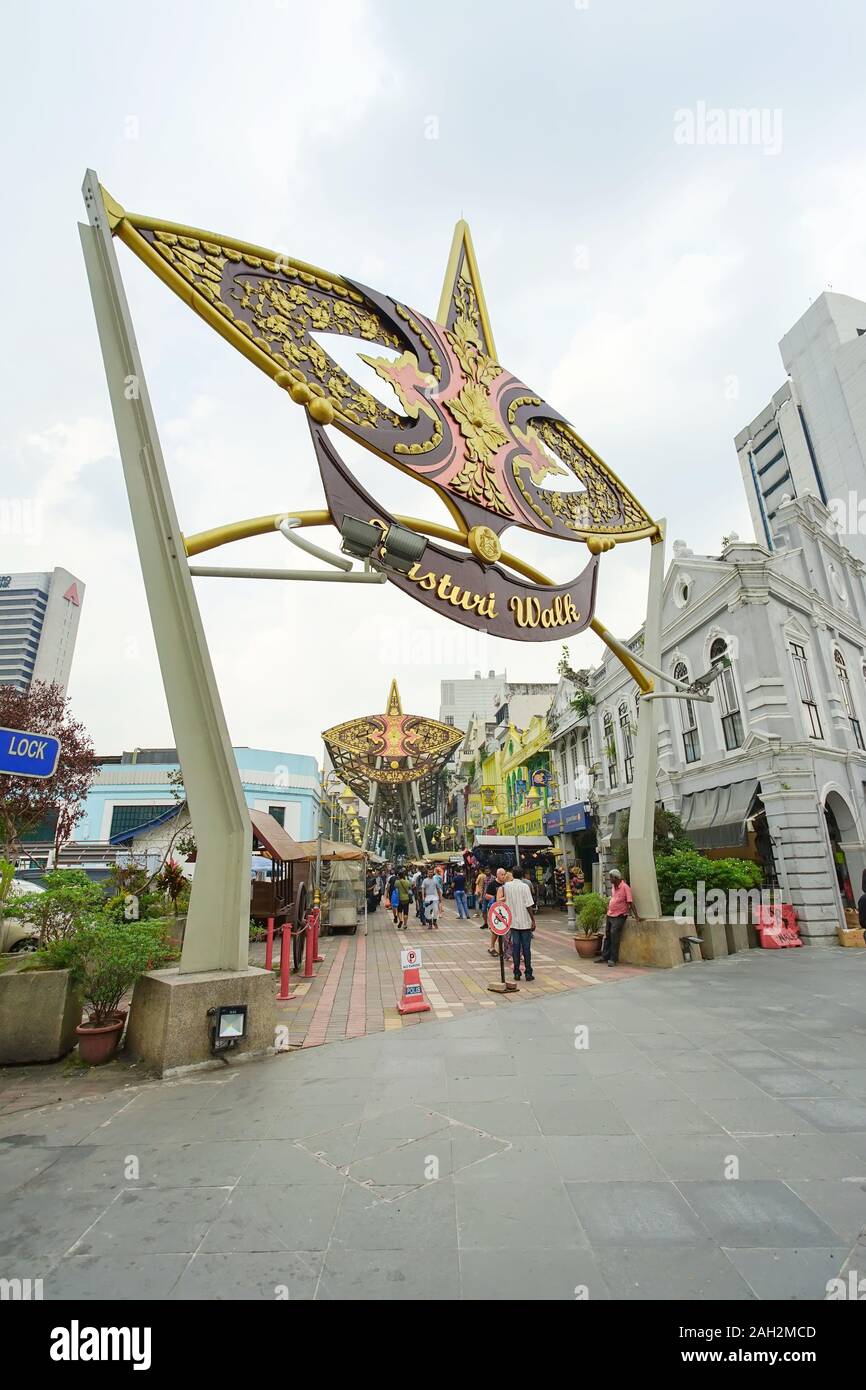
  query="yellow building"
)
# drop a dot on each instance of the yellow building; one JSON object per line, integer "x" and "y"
{"x": 525, "y": 778}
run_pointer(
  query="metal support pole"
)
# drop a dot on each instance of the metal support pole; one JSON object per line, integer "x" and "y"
{"x": 269, "y": 946}
{"x": 569, "y": 901}
{"x": 217, "y": 928}
{"x": 641, "y": 823}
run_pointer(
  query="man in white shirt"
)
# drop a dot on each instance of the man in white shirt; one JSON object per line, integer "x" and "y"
{"x": 431, "y": 894}
{"x": 518, "y": 896}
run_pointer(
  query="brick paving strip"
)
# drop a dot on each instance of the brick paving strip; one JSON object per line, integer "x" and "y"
{"x": 357, "y": 1023}
{"x": 356, "y": 988}
{"x": 318, "y": 1028}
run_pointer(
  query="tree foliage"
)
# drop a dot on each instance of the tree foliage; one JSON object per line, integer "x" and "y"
{"x": 668, "y": 835}
{"x": 25, "y": 802}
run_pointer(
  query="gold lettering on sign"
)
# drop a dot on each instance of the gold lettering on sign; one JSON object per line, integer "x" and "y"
{"x": 528, "y": 612}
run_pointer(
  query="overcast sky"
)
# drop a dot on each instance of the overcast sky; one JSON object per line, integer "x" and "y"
{"x": 637, "y": 278}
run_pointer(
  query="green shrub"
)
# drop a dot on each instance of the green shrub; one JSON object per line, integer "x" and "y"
{"x": 686, "y": 868}
{"x": 57, "y": 954}
{"x": 108, "y": 957}
{"x": 70, "y": 900}
{"x": 591, "y": 912}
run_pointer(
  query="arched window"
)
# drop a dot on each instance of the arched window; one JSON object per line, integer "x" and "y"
{"x": 804, "y": 685}
{"x": 847, "y": 698}
{"x": 610, "y": 749}
{"x": 729, "y": 700}
{"x": 625, "y": 730}
{"x": 689, "y": 718}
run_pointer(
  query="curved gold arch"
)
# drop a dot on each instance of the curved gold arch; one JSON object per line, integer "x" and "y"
{"x": 263, "y": 525}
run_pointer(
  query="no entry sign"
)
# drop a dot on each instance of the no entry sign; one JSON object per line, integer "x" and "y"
{"x": 499, "y": 918}
{"x": 28, "y": 755}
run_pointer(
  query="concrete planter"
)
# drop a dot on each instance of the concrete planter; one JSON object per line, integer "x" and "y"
{"x": 656, "y": 941}
{"x": 39, "y": 1013}
{"x": 714, "y": 940}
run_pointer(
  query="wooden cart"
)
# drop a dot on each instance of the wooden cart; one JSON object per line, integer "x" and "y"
{"x": 284, "y": 894}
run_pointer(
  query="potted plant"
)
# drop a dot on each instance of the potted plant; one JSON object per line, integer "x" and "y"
{"x": 40, "y": 1000}
{"x": 109, "y": 957}
{"x": 590, "y": 916}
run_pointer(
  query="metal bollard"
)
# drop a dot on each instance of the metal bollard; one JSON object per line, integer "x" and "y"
{"x": 269, "y": 948}
{"x": 317, "y": 920}
{"x": 309, "y": 952}
{"x": 285, "y": 964}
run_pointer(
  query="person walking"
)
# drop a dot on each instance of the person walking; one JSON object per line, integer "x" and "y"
{"x": 403, "y": 889}
{"x": 620, "y": 906}
{"x": 417, "y": 880}
{"x": 480, "y": 880}
{"x": 460, "y": 896}
{"x": 393, "y": 895}
{"x": 516, "y": 893}
{"x": 432, "y": 895}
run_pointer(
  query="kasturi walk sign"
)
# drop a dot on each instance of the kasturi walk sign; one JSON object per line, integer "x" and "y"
{"x": 28, "y": 755}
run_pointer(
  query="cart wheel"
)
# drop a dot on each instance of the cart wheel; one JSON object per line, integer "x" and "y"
{"x": 298, "y": 937}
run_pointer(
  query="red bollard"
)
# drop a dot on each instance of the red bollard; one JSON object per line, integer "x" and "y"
{"x": 285, "y": 963}
{"x": 309, "y": 951}
{"x": 269, "y": 948}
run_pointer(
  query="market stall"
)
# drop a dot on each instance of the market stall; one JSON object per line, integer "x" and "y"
{"x": 343, "y": 881}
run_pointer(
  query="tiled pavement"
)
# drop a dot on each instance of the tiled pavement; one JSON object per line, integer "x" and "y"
{"x": 709, "y": 1140}
{"x": 357, "y": 985}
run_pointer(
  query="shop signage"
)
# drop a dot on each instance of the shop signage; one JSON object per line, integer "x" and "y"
{"x": 527, "y": 823}
{"x": 566, "y": 820}
{"x": 28, "y": 755}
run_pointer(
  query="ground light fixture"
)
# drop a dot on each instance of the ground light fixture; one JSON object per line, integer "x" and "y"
{"x": 398, "y": 548}
{"x": 228, "y": 1026}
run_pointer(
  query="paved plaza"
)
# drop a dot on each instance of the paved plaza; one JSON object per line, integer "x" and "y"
{"x": 357, "y": 985}
{"x": 701, "y": 1135}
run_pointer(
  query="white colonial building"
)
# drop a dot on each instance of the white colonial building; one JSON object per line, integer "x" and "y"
{"x": 775, "y": 767}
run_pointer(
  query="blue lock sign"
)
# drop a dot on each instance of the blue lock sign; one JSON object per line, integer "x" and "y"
{"x": 28, "y": 755}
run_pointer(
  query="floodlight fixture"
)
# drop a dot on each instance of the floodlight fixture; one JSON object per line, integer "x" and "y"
{"x": 229, "y": 1026}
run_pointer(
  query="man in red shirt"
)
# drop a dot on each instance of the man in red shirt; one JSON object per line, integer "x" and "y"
{"x": 620, "y": 905}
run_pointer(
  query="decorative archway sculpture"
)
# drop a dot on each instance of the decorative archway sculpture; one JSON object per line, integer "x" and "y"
{"x": 468, "y": 428}
{"x": 391, "y": 761}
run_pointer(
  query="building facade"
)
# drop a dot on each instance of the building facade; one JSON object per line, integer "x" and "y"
{"x": 462, "y": 700}
{"x": 774, "y": 769}
{"x": 133, "y": 789}
{"x": 39, "y": 615}
{"x": 811, "y": 438}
